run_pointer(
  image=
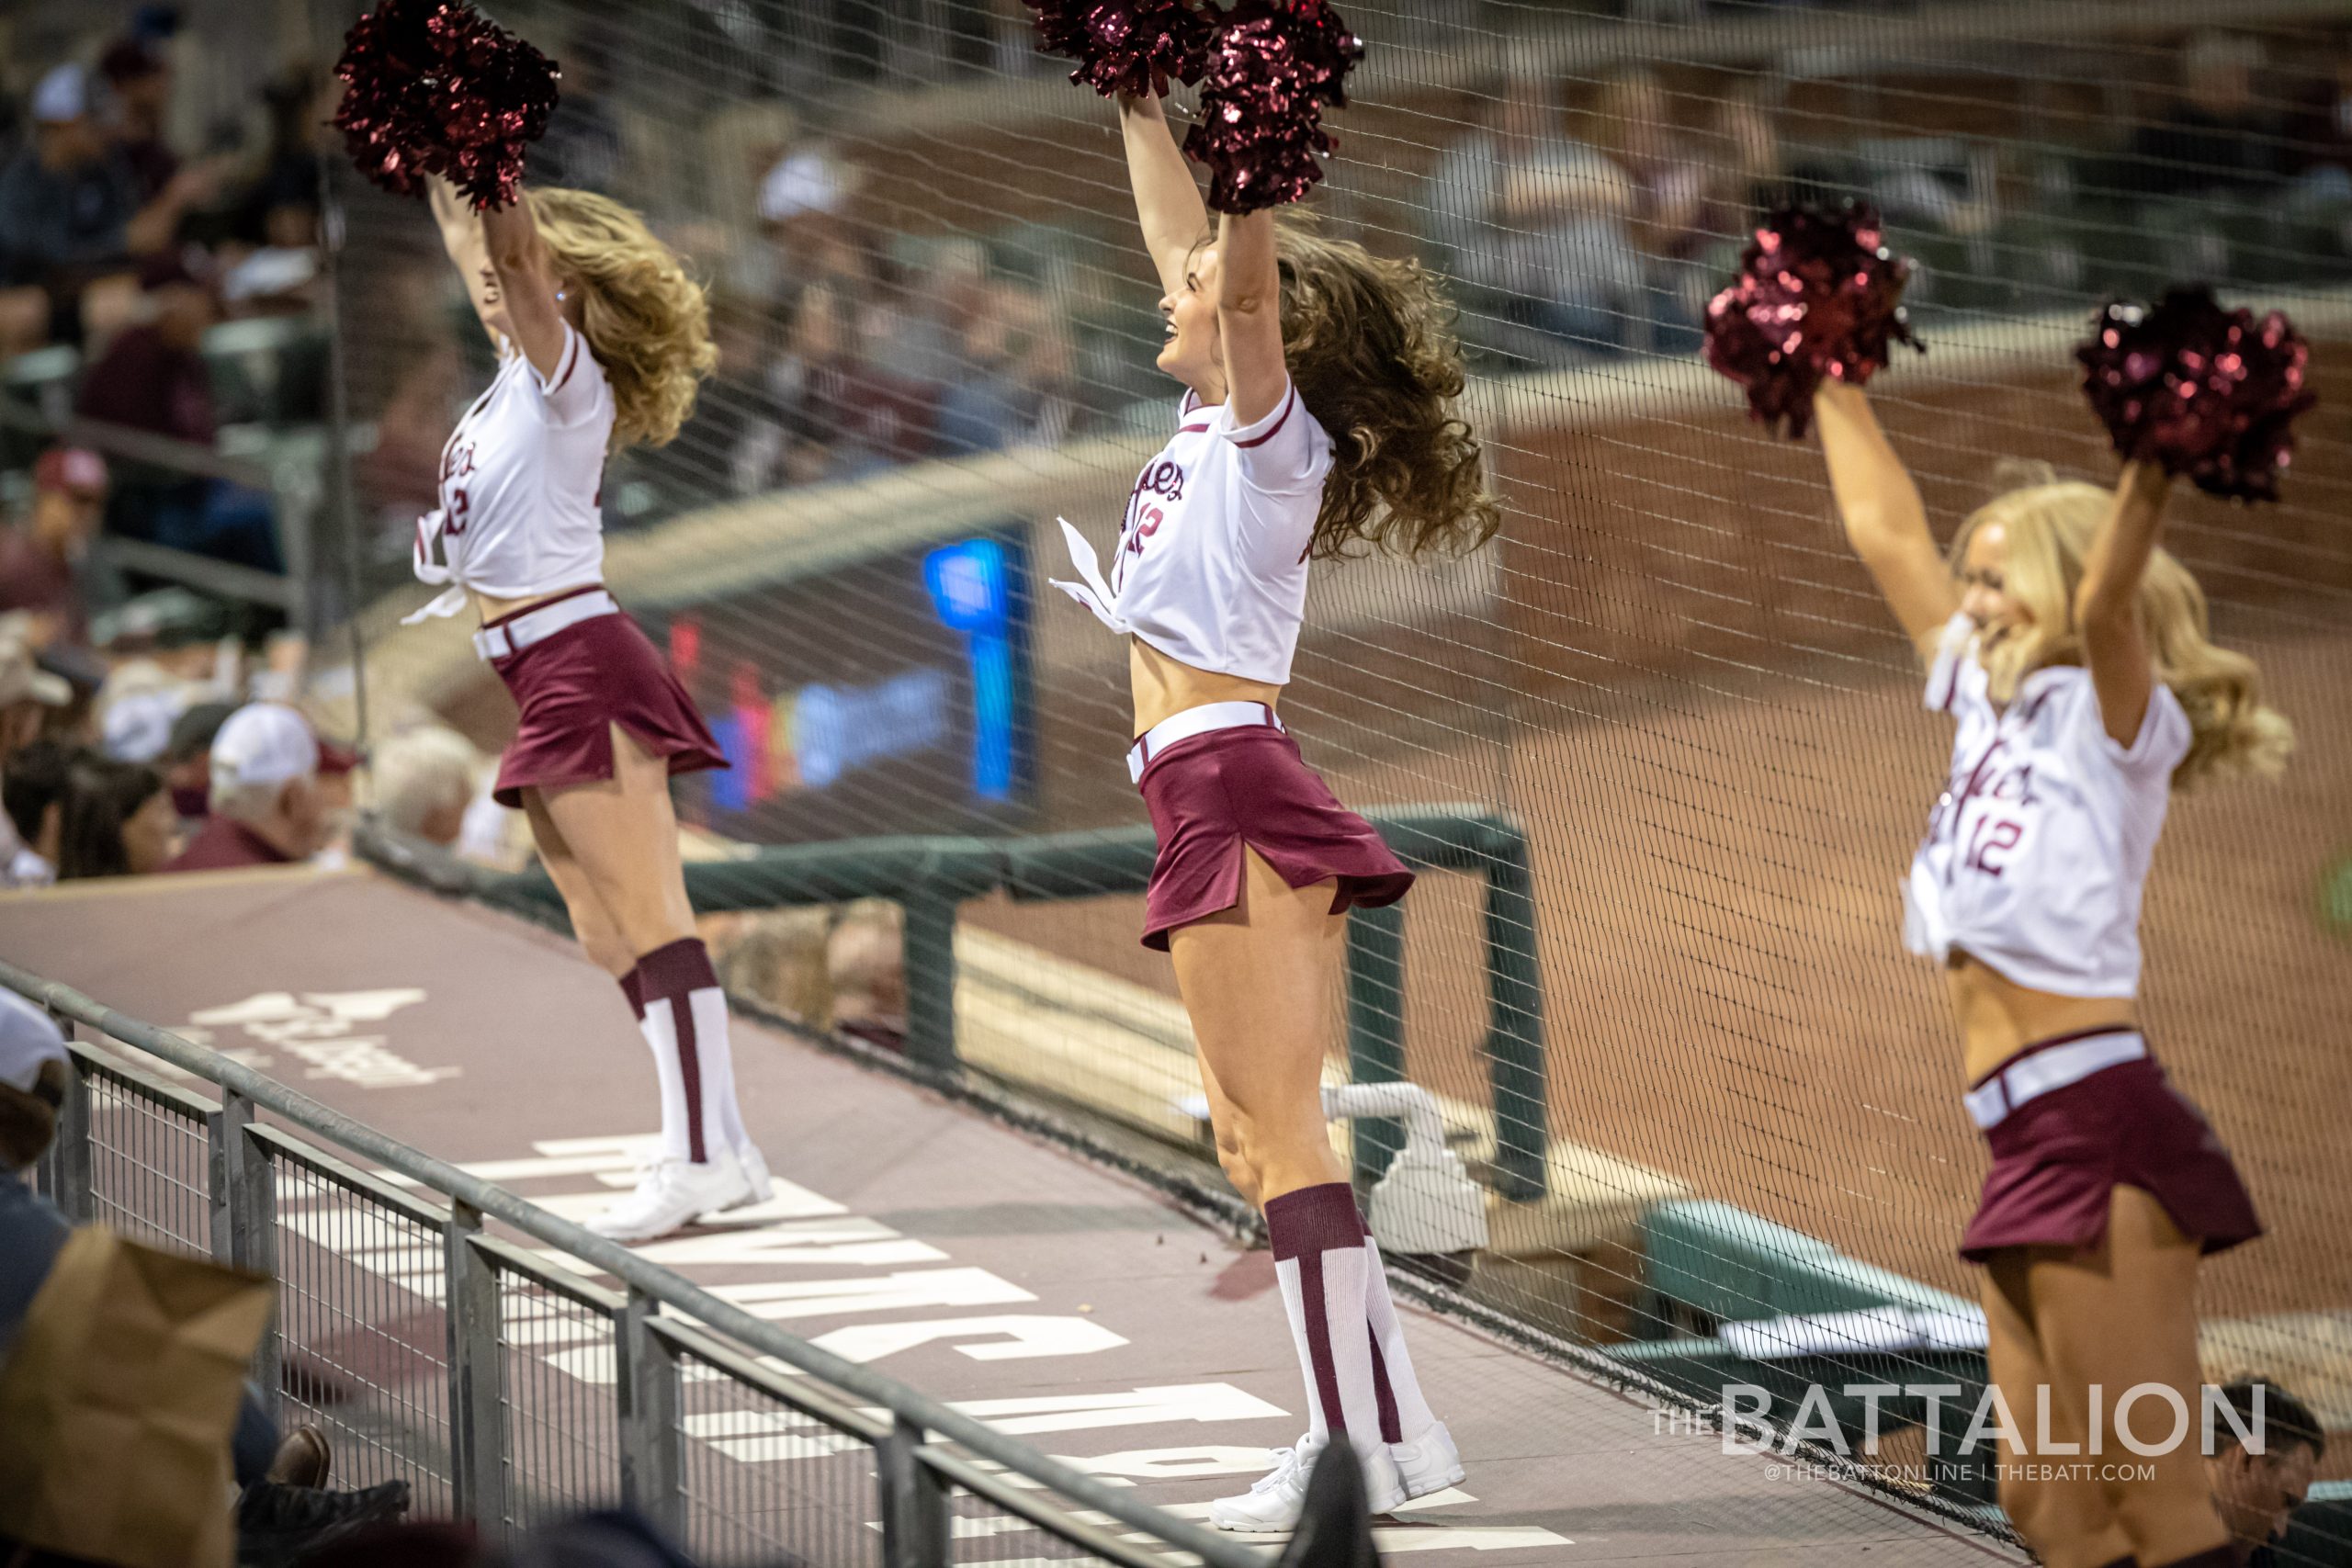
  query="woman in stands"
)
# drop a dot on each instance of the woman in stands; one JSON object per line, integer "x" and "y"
{"x": 602, "y": 340}
{"x": 2072, "y": 653}
{"x": 1319, "y": 416}
{"x": 115, "y": 820}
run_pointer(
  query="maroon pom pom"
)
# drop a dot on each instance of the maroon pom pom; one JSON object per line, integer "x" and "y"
{"x": 1818, "y": 296}
{"x": 2208, "y": 394}
{"x": 1273, "y": 67}
{"x": 433, "y": 89}
{"x": 1125, "y": 46}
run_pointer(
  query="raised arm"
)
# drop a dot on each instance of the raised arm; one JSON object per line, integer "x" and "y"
{"x": 461, "y": 229}
{"x": 1249, "y": 317}
{"x": 2106, "y": 604}
{"x": 526, "y": 282}
{"x": 1885, "y": 521}
{"x": 1168, "y": 203}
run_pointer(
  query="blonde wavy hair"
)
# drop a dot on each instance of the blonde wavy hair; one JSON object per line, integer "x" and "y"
{"x": 647, "y": 323}
{"x": 2050, "y": 525}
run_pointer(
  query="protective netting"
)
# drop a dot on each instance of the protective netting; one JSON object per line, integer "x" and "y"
{"x": 936, "y": 332}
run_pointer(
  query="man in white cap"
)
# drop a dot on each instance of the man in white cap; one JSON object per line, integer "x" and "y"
{"x": 267, "y": 808}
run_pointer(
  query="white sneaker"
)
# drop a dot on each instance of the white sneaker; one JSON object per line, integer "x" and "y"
{"x": 1275, "y": 1500}
{"x": 674, "y": 1192}
{"x": 755, "y": 1172}
{"x": 1431, "y": 1463}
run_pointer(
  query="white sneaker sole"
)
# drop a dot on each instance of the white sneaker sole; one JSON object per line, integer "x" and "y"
{"x": 666, "y": 1224}
{"x": 1427, "y": 1486}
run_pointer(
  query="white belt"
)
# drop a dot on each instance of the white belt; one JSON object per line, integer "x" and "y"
{"x": 1200, "y": 720}
{"x": 2038, "y": 1072}
{"x": 518, "y": 632}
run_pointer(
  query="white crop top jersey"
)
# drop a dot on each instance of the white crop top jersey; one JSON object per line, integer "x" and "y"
{"x": 1210, "y": 563}
{"x": 2036, "y": 856}
{"x": 522, "y": 484}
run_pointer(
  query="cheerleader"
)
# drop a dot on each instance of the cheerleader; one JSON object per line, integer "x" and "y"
{"x": 1318, "y": 416}
{"x": 2071, "y": 654}
{"x": 601, "y": 339}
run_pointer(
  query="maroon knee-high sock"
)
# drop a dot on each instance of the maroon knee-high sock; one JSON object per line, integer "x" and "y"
{"x": 685, "y": 1024}
{"x": 1319, "y": 1261}
{"x": 633, "y": 988}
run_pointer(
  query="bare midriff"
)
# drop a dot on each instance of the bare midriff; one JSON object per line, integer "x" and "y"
{"x": 1998, "y": 1018}
{"x": 492, "y": 609}
{"x": 1163, "y": 687}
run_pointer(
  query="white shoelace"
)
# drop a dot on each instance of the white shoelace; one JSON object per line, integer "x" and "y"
{"x": 1286, "y": 1460}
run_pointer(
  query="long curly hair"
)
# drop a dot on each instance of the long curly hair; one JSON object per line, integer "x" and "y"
{"x": 647, "y": 323}
{"x": 1371, "y": 349}
{"x": 2050, "y": 525}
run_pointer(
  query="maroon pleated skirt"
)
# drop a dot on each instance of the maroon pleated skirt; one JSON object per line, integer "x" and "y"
{"x": 1212, "y": 794}
{"x": 574, "y": 688}
{"x": 2057, "y": 1156}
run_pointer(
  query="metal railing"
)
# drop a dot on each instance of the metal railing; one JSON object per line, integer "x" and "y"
{"x": 506, "y": 1387}
{"x": 928, "y": 877}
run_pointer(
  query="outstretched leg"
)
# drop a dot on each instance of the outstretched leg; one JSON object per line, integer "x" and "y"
{"x": 622, "y": 840}
{"x": 1259, "y": 980}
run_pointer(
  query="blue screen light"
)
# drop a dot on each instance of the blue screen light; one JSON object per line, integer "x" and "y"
{"x": 967, "y": 586}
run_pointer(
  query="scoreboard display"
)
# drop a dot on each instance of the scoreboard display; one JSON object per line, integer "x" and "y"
{"x": 888, "y": 695}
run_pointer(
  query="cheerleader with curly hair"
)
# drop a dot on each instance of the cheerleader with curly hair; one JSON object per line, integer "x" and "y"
{"x": 1318, "y": 420}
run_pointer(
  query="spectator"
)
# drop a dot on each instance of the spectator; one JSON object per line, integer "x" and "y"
{"x": 426, "y": 781}
{"x": 187, "y": 761}
{"x": 139, "y": 81}
{"x": 268, "y": 807}
{"x": 169, "y": 649}
{"x": 41, "y": 560}
{"x": 776, "y": 957}
{"x": 116, "y": 820}
{"x": 71, "y": 213}
{"x": 33, "y": 1074}
{"x": 2257, "y": 1494}
{"x": 401, "y": 474}
{"x": 733, "y": 442}
{"x": 280, "y": 1506}
{"x": 1539, "y": 221}
{"x": 153, "y": 378}
{"x": 280, "y": 276}
{"x": 33, "y": 792}
{"x": 26, "y": 693}
{"x": 582, "y": 146}
{"x": 803, "y": 203}
{"x": 1013, "y": 387}
{"x": 865, "y": 964}
{"x": 2214, "y": 137}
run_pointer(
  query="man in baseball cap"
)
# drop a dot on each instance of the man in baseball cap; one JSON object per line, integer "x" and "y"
{"x": 40, "y": 559}
{"x": 267, "y": 807}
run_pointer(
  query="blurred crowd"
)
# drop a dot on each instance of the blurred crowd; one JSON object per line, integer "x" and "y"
{"x": 147, "y": 210}
{"x": 177, "y": 750}
{"x": 1579, "y": 218}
